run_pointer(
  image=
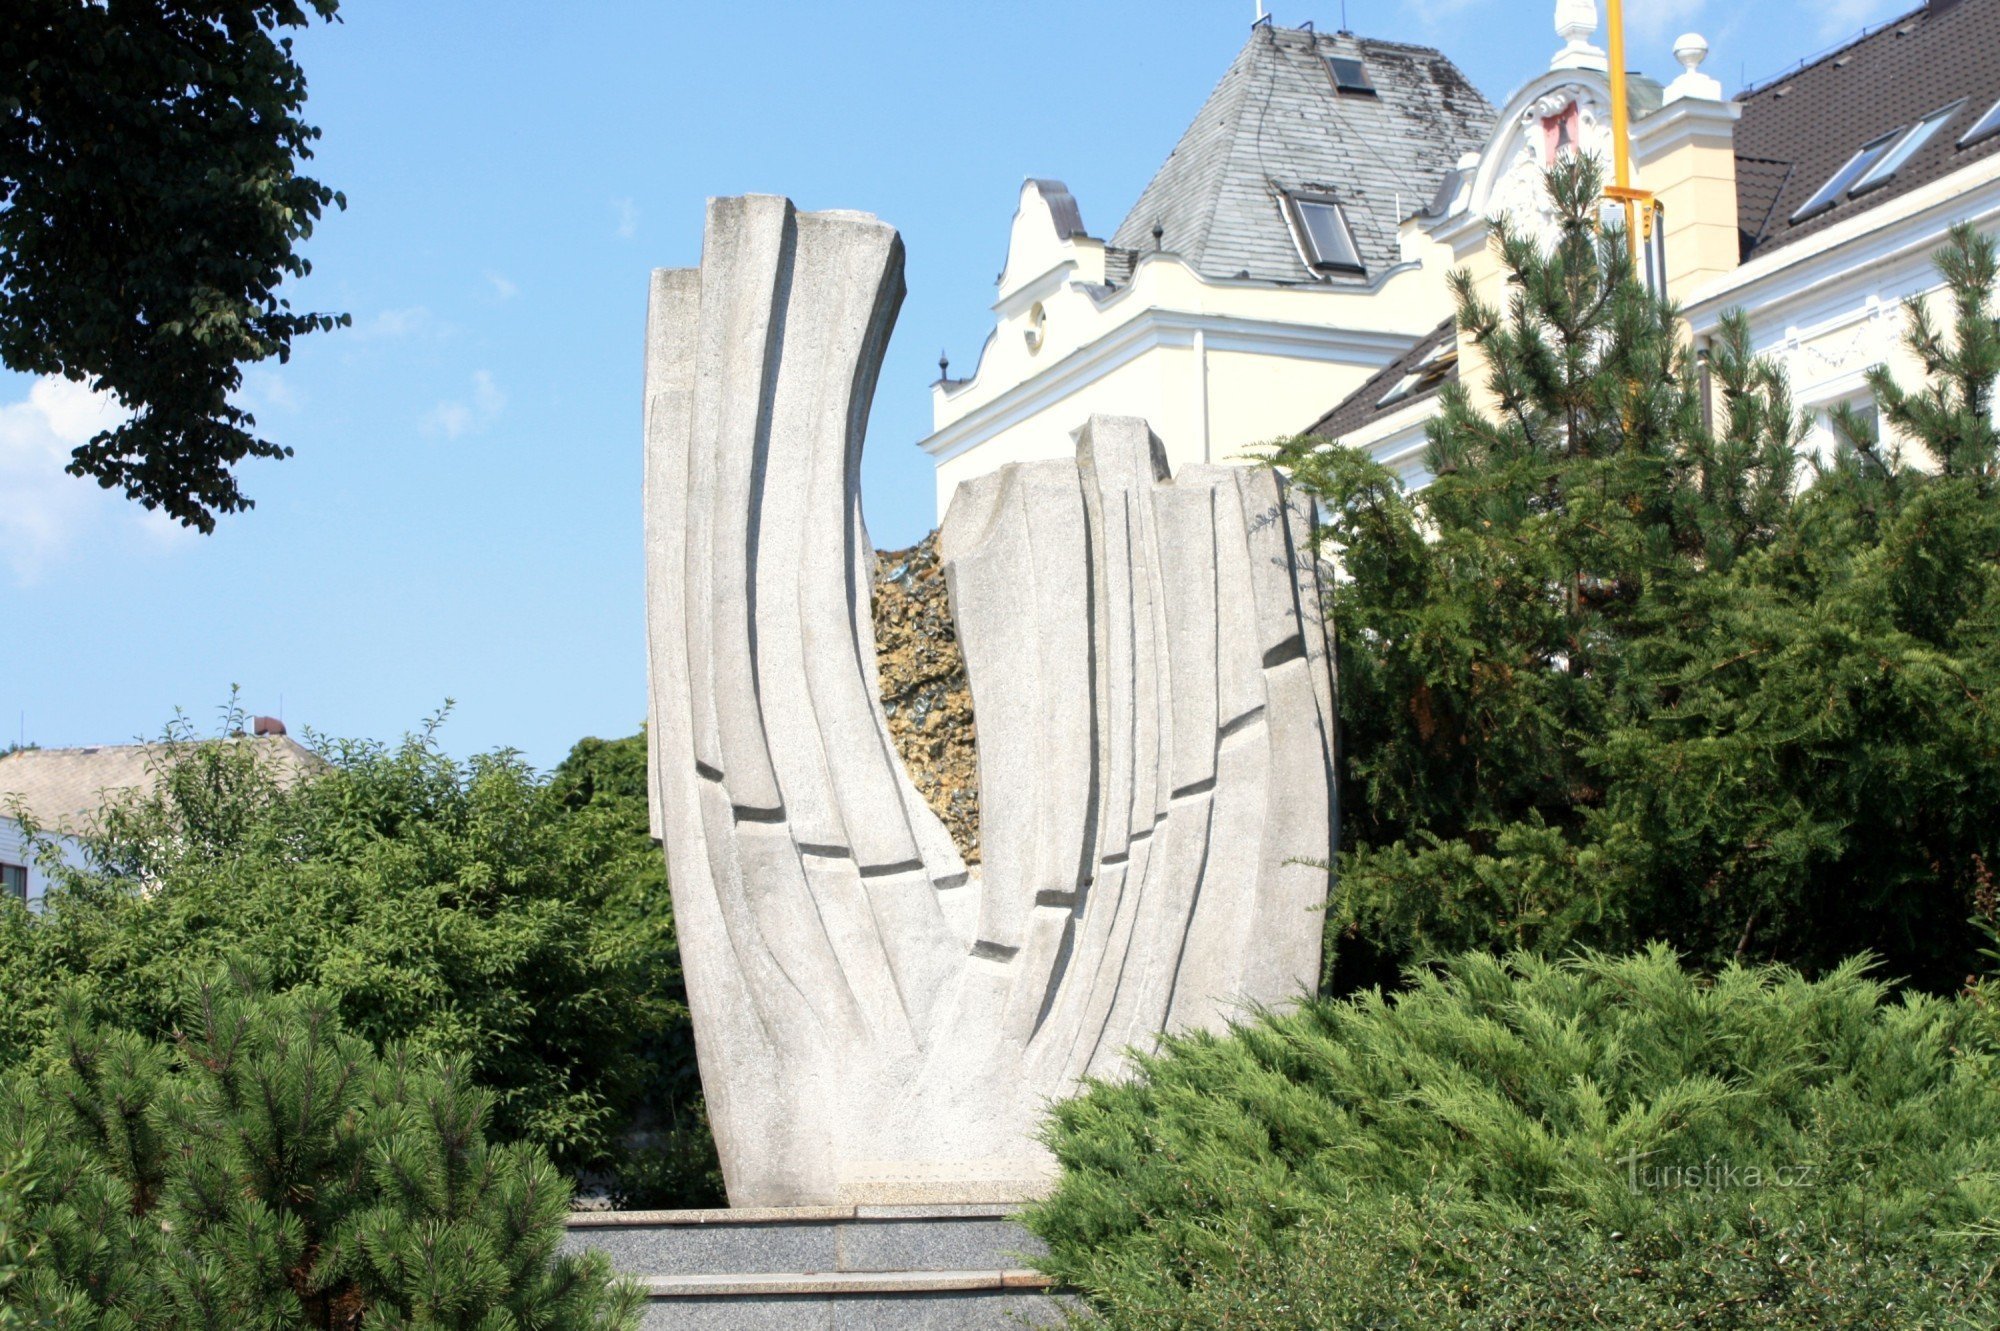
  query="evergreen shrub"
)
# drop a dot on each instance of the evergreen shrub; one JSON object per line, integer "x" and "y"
{"x": 267, "y": 1169}
{"x": 1529, "y": 1143}
{"x": 1634, "y": 667}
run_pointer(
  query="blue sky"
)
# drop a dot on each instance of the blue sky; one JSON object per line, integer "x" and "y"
{"x": 462, "y": 516}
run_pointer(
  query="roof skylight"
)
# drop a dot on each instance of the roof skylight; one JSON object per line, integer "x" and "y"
{"x": 1325, "y": 235}
{"x": 1906, "y": 147}
{"x": 1982, "y": 129}
{"x": 1427, "y": 374}
{"x": 1350, "y": 76}
{"x": 1830, "y": 193}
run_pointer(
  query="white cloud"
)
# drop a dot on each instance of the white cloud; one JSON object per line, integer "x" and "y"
{"x": 1431, "y": 13}
{"x": 455, "y": 417}
{"x": 503, "y": 288}
{"x": 1664, "y": 19}
{"x": 269, "y": 389}
{"x": 628, "y": 218}
{"x": 393, "y": 324}
{"x": 1844, "y": 18}
{"x": 47, "y": 510}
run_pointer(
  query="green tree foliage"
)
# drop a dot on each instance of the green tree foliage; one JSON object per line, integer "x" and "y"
{"x": 269, "y": 1170}
{"x": 150, "y": 208}
{"x": 669, "y": 1160}
{"x": 19, "y": 1180}
{"x": 1618, "y": 675}
{"x": 1525, "y": 1143}
{"x": 469, "y": 911}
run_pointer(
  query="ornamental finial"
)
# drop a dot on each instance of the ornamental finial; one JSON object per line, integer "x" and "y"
{"x": 1691, "y": 49}
{"x": 1576, "y": 24}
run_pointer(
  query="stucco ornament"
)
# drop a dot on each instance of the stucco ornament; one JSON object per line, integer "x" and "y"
{"x": 1155, "y": 710}
{"x": 1520, "y": 192}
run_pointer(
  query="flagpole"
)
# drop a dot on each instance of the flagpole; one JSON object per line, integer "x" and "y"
{"x": 1621, "y": 125}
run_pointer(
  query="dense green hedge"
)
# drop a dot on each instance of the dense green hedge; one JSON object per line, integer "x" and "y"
{"x": 1528, "y": 1143}
{"x": 476, "y": 911}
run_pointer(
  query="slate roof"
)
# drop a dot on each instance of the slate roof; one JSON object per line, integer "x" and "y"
{"x": 1364, "y": 405}
{"x": 1798, "y": 130}
{"x": 1275, "y": 123}
{"x": 66, "y": 790}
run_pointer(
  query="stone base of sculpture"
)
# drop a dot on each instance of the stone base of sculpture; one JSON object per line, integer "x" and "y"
{"x": 847, "y": 1268}
{"x": 1155, "y": 716}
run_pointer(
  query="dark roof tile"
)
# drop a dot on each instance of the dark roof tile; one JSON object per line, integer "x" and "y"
{"x": 1364, "y": 406}
{"x": 1276, "y": 123}
{"x": 1798, "y": 130}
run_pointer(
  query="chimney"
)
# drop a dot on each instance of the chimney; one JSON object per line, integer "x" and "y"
{"x": 267, "y": 725}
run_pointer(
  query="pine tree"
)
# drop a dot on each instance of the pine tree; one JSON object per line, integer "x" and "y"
{"x": 1628, "y": 670}
{"x": 269, "y": 1170}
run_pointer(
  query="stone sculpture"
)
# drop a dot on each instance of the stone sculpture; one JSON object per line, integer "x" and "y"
{"x": 1155, "y": 710}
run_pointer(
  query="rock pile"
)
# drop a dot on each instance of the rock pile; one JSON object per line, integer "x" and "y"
{"x": 924, "y": 689}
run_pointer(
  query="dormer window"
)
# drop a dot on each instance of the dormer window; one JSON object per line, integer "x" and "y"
{"x": 1350, "y": 77}
{"x": 1877, "y": 163}
{"x": 1837, "y": 185}
{"x": 1906, "y": 147}
{"x": 1425, "y": 375}
{"x": 1324, "y": 235}
{"x": 1984, "y": 128}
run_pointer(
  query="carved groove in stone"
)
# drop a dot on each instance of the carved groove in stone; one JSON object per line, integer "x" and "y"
{"x": 1155, "y": 708}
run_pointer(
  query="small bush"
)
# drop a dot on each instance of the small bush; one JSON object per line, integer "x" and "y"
{"x": 270, "y": 1170}
{"x": 1539, "y": 1144}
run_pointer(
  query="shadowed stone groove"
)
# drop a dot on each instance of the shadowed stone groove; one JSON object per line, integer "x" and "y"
{"x": 876, "y": 1022}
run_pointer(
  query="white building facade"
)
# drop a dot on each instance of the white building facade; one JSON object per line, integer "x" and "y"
{"x": 1814, "y": 204}
{"x": 1261, "y": 275}
{"x": 24, "y": 862}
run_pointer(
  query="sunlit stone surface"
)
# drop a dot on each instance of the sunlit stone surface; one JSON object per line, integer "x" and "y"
{"x": 876, "y": 1024}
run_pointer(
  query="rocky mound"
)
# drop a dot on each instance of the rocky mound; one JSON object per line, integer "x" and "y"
{"x": 924, "y": 689}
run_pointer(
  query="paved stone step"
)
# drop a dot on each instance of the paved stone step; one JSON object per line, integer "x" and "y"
{"x": 926, "y": 1310}
{"x": 806, "y": 1241}
{"x": 842, "y": 1282}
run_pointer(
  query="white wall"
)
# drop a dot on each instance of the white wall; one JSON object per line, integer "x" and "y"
{"x": 1829, "y": 307}
{"x": 1213, "y": 366}
{"x": 16, "y": 848}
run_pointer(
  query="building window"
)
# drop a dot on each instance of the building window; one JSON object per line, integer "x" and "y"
{"x": 1984, "y": 128}
{"x": 14, "y": 882}
{"x": 1425, "y": 375}
{"x": 1324, "y": 234}
{"x": 1857, "y": 165}
{"x": 1829, "y": 440}
{"x": 1906, "y": 148}
{"x": 1350, "y": 77}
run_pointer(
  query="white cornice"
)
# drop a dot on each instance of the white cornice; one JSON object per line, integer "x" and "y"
{"x": 1039, "y": 287}
{"x": 1103, "y": 299}
{"x": 1853, "y": 249}
{"x": 1161, "y": 328}
{"x": 1680, "y": 121}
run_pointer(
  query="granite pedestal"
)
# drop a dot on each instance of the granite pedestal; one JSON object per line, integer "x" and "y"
{"x": 838, "y": 1268}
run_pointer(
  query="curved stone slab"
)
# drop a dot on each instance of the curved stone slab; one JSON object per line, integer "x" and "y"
{"x": 1154, "y": 697}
